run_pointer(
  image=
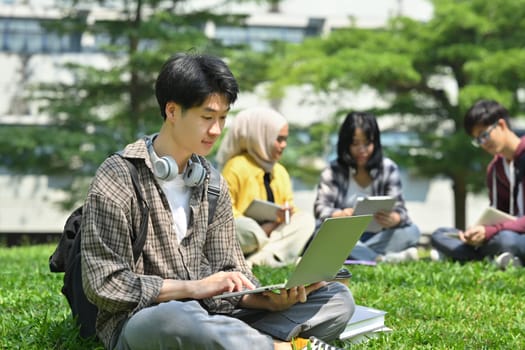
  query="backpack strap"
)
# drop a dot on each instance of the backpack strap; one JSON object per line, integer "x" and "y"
{"x": 214, "y": 190}
{"x": 140, "y": 239}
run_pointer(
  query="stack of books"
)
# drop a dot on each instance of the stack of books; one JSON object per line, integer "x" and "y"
{"x": 366, "y": 323}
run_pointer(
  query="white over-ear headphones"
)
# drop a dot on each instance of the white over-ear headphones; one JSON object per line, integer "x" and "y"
{"x": 166, "y": 168}
{"x": 195, "y": 173}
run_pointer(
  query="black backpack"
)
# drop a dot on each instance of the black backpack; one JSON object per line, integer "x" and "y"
{"x": 66, "y": 257}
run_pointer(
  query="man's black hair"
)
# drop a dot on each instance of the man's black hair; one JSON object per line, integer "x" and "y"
{"x": 484, "y": 113}
{"x": 189, "y": 78}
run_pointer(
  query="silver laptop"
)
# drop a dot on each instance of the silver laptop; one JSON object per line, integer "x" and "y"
{"x": 324, "y": 256}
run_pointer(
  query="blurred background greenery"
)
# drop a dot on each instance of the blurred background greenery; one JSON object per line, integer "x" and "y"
{"x": 424, "y": 74}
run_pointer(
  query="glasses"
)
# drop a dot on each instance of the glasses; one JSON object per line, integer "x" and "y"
{"x": 484, "y": 136}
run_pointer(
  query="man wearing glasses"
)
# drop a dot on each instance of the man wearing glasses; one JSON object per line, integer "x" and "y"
{"x": 488, "y": 123}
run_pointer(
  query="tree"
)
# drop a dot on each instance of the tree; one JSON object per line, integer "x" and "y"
{"x": 105, "y": 106}
{"x": 427, "y": 74}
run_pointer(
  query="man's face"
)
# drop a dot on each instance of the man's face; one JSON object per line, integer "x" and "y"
{"x": 196, "y": 129}
{"x": 488, "y": 137}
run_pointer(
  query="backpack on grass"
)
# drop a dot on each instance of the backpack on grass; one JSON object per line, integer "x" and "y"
{"x": 66, "y": 257}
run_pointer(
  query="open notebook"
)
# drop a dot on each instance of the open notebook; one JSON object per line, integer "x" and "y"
{"x": 324, "y": 256}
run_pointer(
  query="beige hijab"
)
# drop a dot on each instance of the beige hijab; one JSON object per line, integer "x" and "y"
{"x": 254, "y": 130}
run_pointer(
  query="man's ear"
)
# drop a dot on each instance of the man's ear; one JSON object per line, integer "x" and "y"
{"x": 172, "y": 110}
{"x": 503, "y": 123}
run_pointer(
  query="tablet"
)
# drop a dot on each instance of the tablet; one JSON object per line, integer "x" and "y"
{"x": 262, "y": 211}
{"x": 371, "y": 205}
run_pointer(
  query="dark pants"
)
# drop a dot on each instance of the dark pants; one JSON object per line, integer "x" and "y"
{"x": 452, "y": 247}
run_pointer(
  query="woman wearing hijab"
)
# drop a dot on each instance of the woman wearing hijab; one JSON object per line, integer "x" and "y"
{"x": 249, "y": 158}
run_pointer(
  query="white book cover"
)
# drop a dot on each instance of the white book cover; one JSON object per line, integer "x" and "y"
{"x": 493, "y": 216}
{"x": 371, "y": 205}
{"x": 490, "y": 216}
{"x": 365, "y": 319}
{"x": 363, "y": 338}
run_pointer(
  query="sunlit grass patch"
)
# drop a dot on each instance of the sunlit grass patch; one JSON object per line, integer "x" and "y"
{"x": 430, "y": 305}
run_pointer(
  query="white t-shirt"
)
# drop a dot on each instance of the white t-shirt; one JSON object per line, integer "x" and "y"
{"x": 509, "y": 171}
{"x": 178, "y": 195}
{"x": 355, "y": 191}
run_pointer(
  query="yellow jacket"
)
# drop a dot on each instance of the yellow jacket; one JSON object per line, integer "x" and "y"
{"x": 245, "y": 182}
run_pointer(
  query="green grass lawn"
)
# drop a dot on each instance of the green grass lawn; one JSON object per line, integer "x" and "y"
{"x": 430, "y": 305}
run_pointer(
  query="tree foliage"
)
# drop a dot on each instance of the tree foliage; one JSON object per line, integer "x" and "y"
{"x": 104, "y": 106}
{"x": 427, "y": 74}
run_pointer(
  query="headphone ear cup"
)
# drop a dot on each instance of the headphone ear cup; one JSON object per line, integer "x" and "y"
{"x": 194, "y": 174}
{"x": 165, "y": 168}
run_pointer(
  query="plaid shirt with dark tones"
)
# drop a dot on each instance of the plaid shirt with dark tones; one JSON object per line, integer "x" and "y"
{"x": 332, "y": 188}
{"x": 111, "y": 218}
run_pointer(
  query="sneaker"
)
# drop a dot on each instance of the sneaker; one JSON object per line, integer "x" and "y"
{"x": 343, "y": 274}
{"x": 410, "y": 254}
{"x": 507, "y": 259}
{"x": 312, "y": 343}
{"x": 435, "y": 255}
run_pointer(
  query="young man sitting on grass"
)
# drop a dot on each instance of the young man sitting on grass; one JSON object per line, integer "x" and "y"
{"x": 164, "y": 301}
{"x": 488, "y": 123}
